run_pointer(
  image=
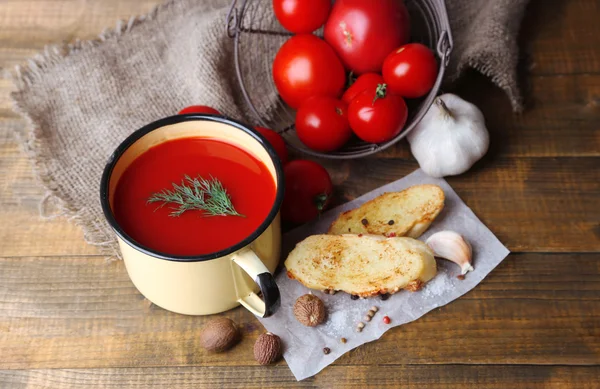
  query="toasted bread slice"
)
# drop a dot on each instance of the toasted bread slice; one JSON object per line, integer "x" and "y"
{"x": 407, "y": 213}
{"x": 361, "y": 265}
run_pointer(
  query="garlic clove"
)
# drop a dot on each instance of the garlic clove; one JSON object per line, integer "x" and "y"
{"x": 453, "y": 247}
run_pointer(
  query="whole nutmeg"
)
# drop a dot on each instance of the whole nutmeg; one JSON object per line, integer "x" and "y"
{"x": 309, "y": 310}
{"x": 219, "y": 334}
{"x": 267, "y": 348}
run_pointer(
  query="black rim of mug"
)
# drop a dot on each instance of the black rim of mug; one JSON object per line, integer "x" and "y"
{"x": 130, "y": 140}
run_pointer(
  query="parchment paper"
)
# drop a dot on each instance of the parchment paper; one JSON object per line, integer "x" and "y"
{"x": 303, "y": 346}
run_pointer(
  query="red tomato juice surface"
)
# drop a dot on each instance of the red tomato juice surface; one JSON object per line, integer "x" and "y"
{"x": 247, "y": 180}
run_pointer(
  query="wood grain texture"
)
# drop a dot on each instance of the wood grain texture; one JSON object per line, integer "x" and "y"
{"x": 561, "y": 37}
{"x": 558, "y": 36}
{"x": 561, "y": 117}
{"x": 35, "y": 23}
{"x": 337, "y": 377}
{"x": 75, "y": 320}
{"x": 83, "y": 312}
{"x": 531, "y": 204}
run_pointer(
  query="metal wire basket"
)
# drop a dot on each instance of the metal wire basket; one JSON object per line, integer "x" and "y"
{"x": 257, "y": 37}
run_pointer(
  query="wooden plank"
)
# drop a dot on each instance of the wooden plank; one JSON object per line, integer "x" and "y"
{"x": 35, "y": 23}
{"x": 83, "y": 312}
{"x": 561, "y": 117}
{"x": 380, "y": 377}
{"x": 558, "y": 37}
{"x": 561, "y": 37}
{"x": 531, "y": 204}
{"x": 517, "y": 200}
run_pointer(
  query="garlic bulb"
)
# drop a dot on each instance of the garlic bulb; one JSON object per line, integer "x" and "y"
{"x": 450, "y": 138}
{"x": 453, "y": 247}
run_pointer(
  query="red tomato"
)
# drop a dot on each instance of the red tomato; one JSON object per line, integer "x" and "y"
{"x": 362, "y": 83}
{"x": 276, "y": 141}
{"x": 377, "y": 116}
{"x": 410, "y": 71}
{"x": 308, "y": 189}
{"x": 322, "y": 123}
{"x": 306, "y": 66}
{"x": 301, "y": 16}
{"x": 363, "y": 32}
{"x": 199, "y": 109}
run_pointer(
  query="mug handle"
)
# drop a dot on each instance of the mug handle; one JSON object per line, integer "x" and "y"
{"x": 251, "y": 264}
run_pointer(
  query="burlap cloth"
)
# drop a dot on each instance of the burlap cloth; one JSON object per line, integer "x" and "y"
{"x": 82, "y": 99}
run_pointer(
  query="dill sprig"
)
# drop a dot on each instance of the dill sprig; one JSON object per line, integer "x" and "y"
{"x": 196, "y": 194}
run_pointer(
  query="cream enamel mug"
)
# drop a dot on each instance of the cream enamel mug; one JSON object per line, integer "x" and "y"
{"x": 216, "y": 282}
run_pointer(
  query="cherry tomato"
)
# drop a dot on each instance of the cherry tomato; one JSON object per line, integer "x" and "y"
{"x": 377, "y": 116}
{"x": 306, "y": 66}
{"x": 301, "y": 16}
{"x": 308, "y": 189}
{"x": 362, "y": 83}
{"x": 363, "y": 32}
{"x": 199, "y": 109}
{"x": 322, "y": 123}
{"x": 276, "y": 141}
{"x": 410, "y": 71}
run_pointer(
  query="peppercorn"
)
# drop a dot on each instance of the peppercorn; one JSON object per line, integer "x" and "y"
{"x": 354, "y": 297}
{"x": 384, "y": 296}
{"x": 386, "y": 319}
{"x": 326, "y": 350}
{"x": 391, "y": 223}
{"x": 364, "y": 222}
{"x": 343, "y": 340}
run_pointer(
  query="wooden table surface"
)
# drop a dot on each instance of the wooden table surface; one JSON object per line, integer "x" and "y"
{"x": 70, "y": 319}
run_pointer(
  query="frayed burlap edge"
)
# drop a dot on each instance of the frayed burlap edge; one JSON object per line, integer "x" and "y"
{"x": 25, "y": 77}
{"x": 510, "y": 87}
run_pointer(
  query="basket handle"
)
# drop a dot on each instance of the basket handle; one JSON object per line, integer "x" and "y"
{"x": 233, "y": 22}
{"x": 445, "y": 43}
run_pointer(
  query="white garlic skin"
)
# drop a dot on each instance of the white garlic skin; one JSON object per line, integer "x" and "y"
{"x": 449, "y": 144}
{"x": 453, "y": 247}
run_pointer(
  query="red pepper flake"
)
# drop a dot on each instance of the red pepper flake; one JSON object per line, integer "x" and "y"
{"x": 391, "y": 235}
{"x": 386, "y": 319}
{"x": 359, "y": 235}
{"x": 460, "y": 277}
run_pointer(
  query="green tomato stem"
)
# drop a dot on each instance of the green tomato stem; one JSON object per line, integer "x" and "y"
{"x": 380, "y": 92}
{"x": 320, "y": 201}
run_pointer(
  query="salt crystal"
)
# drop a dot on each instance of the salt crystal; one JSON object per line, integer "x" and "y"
{"x": 437, "y": 286}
